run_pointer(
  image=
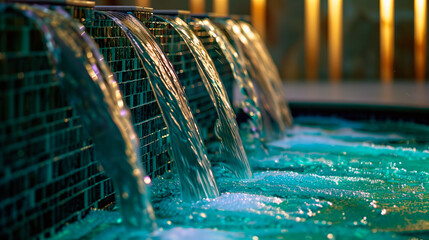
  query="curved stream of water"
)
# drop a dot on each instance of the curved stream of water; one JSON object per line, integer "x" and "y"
{"x": 189, "y": 152}
{"x": 250, "y": 48}
{"x": 249, "y": 104}
{"x": 232, "y": 150}
{"x": 93, "y": 92}
{"x": 269, "y": 68}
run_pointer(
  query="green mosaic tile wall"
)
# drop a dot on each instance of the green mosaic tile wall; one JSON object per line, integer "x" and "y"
{"x": 219, "y": 59}
{"x": 48, "y": 174}
{"x": 187, "y": 70}
{"x": 136, "y": 90}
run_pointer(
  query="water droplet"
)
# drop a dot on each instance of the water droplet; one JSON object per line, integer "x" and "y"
{"x": 124, "y": 195}
{"x": 147, "y": 180}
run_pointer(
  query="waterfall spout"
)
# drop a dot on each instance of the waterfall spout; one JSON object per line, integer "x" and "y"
{"x": 274, "y": 110}
{"x": 226, "y": 129}
{"x": 271, "y": 69}
{"x": 93, "y": 92}
{"x": 249, "y": 105}
{"x": 189, "y": 152}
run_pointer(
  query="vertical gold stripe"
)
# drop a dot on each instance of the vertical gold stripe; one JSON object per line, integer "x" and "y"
{"x": 387, "y": 39}
{"x": 197, "y": 6}
{"x": 420, "y": 39}
{"x": 335, "y": 39}
{"x": 258, "y": 11}
{"x": 312, "y": 36}
{"x": 221, "y": 7}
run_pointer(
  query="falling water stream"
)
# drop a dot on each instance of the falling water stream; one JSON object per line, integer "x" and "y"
{"x": 189, "y": 152}
{"x": 232, "y": 150}
{"x": 269, "y": 68}
{"x": 94, "y": 93}
{"x": 249, "y": 104}
{"x": 330, "y": 179}
{"x": 333, "y": 179}
{"x": 274, "y": 110}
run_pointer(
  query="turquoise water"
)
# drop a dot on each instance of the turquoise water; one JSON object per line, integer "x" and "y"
{"x": 328, "y": 179}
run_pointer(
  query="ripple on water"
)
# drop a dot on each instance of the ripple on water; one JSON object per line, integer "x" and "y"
{"x": 317, "y": 183}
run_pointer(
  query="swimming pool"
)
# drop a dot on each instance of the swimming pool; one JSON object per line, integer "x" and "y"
{"x": 329, "y": 178}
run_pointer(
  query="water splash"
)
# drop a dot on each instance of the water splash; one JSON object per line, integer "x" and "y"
{"x": 332, "y": 196}
{"x": 232, "y": 150}
{"x": 274, "y": 109}
{"x": 94, "y": 93}
{"x": 249, "y": 104}
{"x": 189, "y": 152}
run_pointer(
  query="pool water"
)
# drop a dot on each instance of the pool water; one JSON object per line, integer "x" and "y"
{"x": 328, "y": 179}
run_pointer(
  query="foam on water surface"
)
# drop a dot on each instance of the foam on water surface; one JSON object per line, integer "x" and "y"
{"x": 306, "y": 188}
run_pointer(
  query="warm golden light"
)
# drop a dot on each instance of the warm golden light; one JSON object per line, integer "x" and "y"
{"x": 221, "y": 7}
{"x": 143, "y": 3}
{"x": 387, "y": 39}
{"x": 258, "y": 11}
{"x": 312, "y": 35}
{"x": 335, "y": 38}
{"x": 197, "y": 6}
{"x": 420, "y": 38}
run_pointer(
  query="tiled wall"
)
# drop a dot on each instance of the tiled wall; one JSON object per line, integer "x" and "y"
{"x": 136, "y": 91}
{"x": 48, "y": 172}
{"x": 219, "y": 59}
{"x": 186, "y": 68}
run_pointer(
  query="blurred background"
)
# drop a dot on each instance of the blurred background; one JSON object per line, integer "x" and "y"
{"x": 330, "y": 39}
{"x": 356, "y": 51}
